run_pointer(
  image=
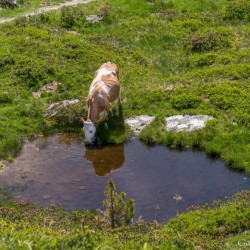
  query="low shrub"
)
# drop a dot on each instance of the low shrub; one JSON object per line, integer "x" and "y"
{"x": 209, "y": 40}
{"x": 185, "y": 101}
{"x": 71, "y": 16}
{"x": 69, "y": 116}
{"x": 32, "y": 72}
{"x": 204, "y": 59}
{"x": 5, "y": 59}
{"x": 6, "y": 98}
{"x": 226, "y": 97}
{"x": 34, "y": 109}
{"x": 10, "y": 3}
{"x": 237, "y": 9}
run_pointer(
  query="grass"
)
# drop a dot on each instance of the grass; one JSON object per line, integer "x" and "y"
{"x": 27, "y": 6}
{"x": 175, "y": 57}
{"x": 189, "y": 59}
{"x": 220, "y": 225}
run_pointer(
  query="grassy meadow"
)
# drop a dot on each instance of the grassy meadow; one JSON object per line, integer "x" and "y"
{"x": 174, "y": 57}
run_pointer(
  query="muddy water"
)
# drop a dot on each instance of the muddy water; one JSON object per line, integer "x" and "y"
{"x": 60, "y": 169}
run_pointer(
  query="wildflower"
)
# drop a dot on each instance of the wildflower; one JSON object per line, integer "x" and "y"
{"x": 47, "y": 219}
{"x": 24, "y": 202}
{"x": 16, "y": 203}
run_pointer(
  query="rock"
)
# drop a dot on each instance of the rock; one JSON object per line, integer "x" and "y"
{"x": 177, "y": 197}
{"x": 54, "y": 108}
{"x": 186, "y": 123}
{"x": 72, "y": 32}
{"x": 94, "y": 18}
{"x": 67, "y": 197}
{"x": 46, "y": 196}
{"x": 138, "y": 123}
{"x": 50, "y": 87}
{"x": 77, "y": 180}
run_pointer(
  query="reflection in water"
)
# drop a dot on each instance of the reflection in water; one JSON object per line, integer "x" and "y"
{"x": 105, "y": 159}
{"x": 61, "y": 169}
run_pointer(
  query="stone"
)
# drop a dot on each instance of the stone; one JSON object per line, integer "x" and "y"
{"x": 54, "y": 108}
{"x": 94, "y": 18}
{"x": 186, "y": 123}
{"x": 50, "y": 87}
{"x": 46, "y": 196}
{"x": 138, "y": 123}
{"x": 67, "y": 197}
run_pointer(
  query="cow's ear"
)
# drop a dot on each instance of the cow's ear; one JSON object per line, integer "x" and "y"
{"x": 82, "y": 120}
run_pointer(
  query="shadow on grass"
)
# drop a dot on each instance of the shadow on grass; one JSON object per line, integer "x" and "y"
{"x": 115, "y": 133}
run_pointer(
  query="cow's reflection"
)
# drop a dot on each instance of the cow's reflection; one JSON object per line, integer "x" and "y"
{"x": 105, "y": 159}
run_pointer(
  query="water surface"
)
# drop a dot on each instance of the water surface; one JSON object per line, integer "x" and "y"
{"x": 60, "y": 169}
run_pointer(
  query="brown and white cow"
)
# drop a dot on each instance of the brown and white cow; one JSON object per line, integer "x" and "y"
{"x": 104, "y": 89}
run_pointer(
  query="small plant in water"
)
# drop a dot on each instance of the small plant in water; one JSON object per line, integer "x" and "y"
{"x": 1, "y": 165}
{"x": 119, "y": 211}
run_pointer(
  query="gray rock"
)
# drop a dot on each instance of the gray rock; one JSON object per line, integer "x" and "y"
{"x": 50, "y": 87}
{"x": 46, "y": 196}
{"x": 94, "y": 18}
{"x": 186, "y": 123}
{"x": 54, "y": 108}
{"x": 138, "y": 123}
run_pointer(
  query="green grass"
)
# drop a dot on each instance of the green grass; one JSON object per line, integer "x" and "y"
{"x": 174, "y": 57}
{"x": 220, "y": 225}
{"x": 27, "y": 6}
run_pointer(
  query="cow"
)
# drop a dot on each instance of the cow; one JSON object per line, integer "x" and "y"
{"x": 104, "y": 89}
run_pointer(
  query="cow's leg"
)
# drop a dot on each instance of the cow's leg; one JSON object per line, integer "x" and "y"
{"x": 106, "y": 118}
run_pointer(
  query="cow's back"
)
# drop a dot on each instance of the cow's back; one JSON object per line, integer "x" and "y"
{"x": 112, "y": 86}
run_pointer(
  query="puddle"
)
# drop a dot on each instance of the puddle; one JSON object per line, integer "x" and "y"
{"x": 60, "y": 169}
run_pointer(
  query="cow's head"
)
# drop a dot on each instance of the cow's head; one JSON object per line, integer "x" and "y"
{"x": 89, "y": 129}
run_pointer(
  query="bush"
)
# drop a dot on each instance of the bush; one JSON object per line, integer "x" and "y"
{"x": 237, "y": 9}
{"x": 10, "y": 3}
{"x": 32, "y": 72}
{"x": 185, "y": 101}
{"x": 210, "y": 40}
{"x": 68, "y": 116}
{"x": 34, "y": 109}
{"x": 71, "y": 17}
{"x": 118, "y": 210}
{"x": 226, "y": 97}
{"x": 204, "y": 59}
{"x": 6, "y": 59}
{"x": 6, "y": 98}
